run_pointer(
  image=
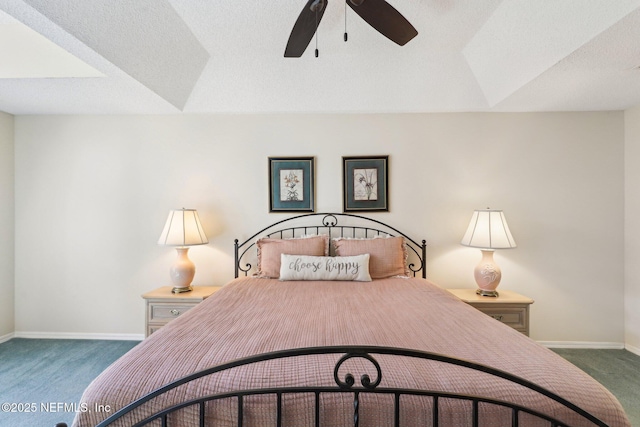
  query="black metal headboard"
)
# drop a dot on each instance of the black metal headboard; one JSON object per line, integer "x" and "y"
{"x": 334, "y": 225}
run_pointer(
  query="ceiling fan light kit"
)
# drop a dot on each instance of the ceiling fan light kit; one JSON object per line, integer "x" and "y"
{"x": 383, "y": 17}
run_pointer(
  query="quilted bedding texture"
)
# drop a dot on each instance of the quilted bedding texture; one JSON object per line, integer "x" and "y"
{"x": 251, "y": 316}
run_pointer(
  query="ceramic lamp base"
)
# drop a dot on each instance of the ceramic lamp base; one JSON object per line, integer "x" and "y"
{"x": 182, "y": 272}
{"x": 487, "y": 275}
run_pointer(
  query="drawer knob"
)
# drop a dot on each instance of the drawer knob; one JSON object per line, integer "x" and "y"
{"x": 175, "y": 312}
{"x": 498, "y": 317}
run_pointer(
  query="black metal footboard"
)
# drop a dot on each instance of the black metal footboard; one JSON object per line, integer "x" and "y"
{"x": 346, "y": 385}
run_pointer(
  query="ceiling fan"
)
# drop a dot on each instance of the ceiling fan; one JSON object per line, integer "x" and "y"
{"x": 378, "y": 13}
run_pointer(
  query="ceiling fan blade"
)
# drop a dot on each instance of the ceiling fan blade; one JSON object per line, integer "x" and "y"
{"x": 384, "y": 18}
{"x": 305, "y": 28}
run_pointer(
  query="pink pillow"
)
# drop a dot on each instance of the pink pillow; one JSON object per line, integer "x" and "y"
{"x": 269, "y": 251}
{"x": 388, "y": 255}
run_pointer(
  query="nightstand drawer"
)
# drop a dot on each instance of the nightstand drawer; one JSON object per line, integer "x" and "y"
{"x": 163, "y": 312}
{"x": 514, "y": 317}
{"x": 510, "y": 308}
{"x": 163, "y": 306}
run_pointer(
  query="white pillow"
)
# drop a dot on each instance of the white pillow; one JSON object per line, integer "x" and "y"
{"x": 305, "y": 267}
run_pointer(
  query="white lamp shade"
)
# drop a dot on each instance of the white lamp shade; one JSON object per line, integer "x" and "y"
{"x": 183, "y": 228}
{"x": 488, "y": 229}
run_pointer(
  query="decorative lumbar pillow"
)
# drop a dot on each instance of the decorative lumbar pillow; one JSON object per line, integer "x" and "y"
{"x": 302, "y": 267}
{"x": 269, "y": 251}
{"x": 388, "y": 254}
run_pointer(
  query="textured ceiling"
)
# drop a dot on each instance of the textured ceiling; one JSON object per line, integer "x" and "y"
{"x": 203, "y": 56}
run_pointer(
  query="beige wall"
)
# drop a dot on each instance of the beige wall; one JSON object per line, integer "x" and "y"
{"x": 6, "y": 227}
{"x": 92, "y": 194}
{"x": 632, "y": 229}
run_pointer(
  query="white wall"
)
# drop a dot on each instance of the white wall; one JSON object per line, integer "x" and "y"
{"x": 6, "y": 227}
{"x": 632, "y": 229}
{"x": 92, "y": 195}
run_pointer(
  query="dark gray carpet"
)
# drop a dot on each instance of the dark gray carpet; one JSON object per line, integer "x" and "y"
{"x": 617, "y": 370}
{"x": 49, "y": 376}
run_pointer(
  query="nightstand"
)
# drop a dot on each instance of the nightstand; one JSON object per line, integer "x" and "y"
{"x": 164, "y": 306}
{"x": 510, "y": 308}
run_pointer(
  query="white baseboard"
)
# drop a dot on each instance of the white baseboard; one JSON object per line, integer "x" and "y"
{"x": 632, "y": 349}
{"x": 79, "y": 336}
{"x": 583, "y": 344}
{"x": 140, "y": 337}
{"x": 5, "y": 338}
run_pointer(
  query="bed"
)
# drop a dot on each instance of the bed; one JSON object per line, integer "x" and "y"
{"x": 330, "y": 321}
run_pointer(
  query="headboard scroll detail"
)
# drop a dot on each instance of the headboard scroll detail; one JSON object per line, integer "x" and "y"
{"x": 334, "y": 225}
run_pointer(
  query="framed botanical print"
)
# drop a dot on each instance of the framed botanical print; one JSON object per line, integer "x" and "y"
{"x": 365, "y": 182}
{"x": 291, "y": 184}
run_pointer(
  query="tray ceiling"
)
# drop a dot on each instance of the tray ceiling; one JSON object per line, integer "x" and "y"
{"x": 197, "y": 56}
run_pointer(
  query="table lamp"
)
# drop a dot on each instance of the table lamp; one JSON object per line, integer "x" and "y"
{"x": 182, "y": 229}
{"x": 488, "y": 230}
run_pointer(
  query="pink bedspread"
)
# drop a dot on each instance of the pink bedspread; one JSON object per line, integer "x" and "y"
{"x": 251, "y": 316}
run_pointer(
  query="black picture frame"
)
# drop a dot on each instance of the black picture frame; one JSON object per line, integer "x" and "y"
{"x": 291, "y": 184}
{"x": 365, "y": 184}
